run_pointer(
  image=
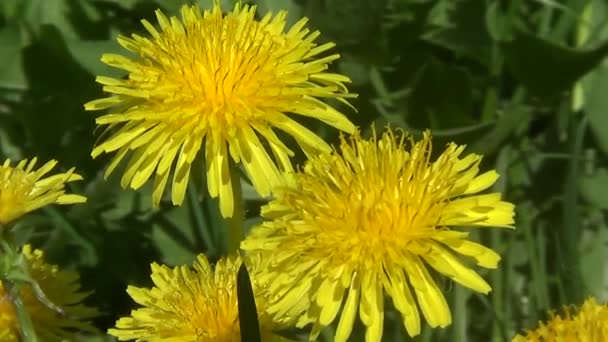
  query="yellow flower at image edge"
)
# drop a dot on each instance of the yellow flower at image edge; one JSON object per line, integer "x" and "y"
{"x": 216, "y": 83}
{"x": 62, "y": 288}
{"x": 369, "y": 220}
{"x": 23, "y": 189}
{"x": 587, "y": 323}
{"x": 194, "y": 304}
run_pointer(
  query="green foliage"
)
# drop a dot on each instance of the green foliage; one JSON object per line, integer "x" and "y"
{"x": 520, "y": 81}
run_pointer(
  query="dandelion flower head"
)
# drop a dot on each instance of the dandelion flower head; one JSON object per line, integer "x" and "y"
{"x": 194, "y": 304}
{"x": 219, "y": 84}
{"x": 370, "y": 220}
{"x": 23, "y": 189}
{"x": 587, "y": 323}
{"x": 62, "y": 288}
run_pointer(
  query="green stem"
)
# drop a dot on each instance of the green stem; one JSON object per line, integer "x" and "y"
{"x": 26, "y": 328}
{"x": 12, "y": 287}
{"x": 570, "y": 231}
{"x": 460, "y": 314}
{"x": 235, "y": 223}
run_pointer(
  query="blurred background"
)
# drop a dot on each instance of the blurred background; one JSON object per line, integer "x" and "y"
{"x": 524, "y": 82}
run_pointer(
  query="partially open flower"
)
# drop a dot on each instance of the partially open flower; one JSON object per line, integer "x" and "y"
{"x": 587, "y": 323}
{"x": 62, "y": 288}
{"x": 24, "y": 189}
{"x": 195, "y": 304}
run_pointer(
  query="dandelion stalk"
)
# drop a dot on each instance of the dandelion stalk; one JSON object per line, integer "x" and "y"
{"x": 26, "y": 328}
{"x": 13, "y": 288}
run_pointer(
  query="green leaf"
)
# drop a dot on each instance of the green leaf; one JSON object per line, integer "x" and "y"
{"x": 51, "y": 111}
{"x": 11, "y": 65}
{"x": 173, "y": 240}
{"x": 441, "y": 97}
{"x": 596, "y": 106}
{"x": 10, "y": 9}
{"x": 248, "y": 317}
{"x": 594, "y": 187}
{"x": 546, "y": 68}
{"x": 51, "y": 12}
{"x": 460, "y": 26}
{"x": 347, "y": 22}
{"x": 409, "y": 18}
{"x": 592, "y": 247}
{"x": 88, "y": 55}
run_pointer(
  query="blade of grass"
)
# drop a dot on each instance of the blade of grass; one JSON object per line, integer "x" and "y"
{"x": 569, "y": 232}
{"x": 497, "y": 277}
{"x": 538, "y": 299}
{"x": 248, "y": 317}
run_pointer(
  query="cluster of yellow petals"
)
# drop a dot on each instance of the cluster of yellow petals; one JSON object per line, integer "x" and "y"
{"x": 368, "y": 220}
{"x": 587, "y": 323}
{"x": 24, "y": 189}
{"x": 194, "y": 304}
{"x": 62, "y": 288}
{"x": 214, "y": 84}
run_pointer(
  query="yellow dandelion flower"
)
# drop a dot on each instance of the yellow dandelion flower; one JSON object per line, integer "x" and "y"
{"x": 62, "y": 288}
{"x": 224, "y": 81}
{"x": 370, "y": 221}
{"x": 23, "y": 189}
{"x": 588, "y": 323}
{"x": 197, "y": 304}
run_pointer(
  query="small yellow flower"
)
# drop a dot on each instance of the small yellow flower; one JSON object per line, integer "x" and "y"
{"x": 62, "y": 288}
{"x": 23, "y": 189}
{"x": 216, "y": 84}
{"x": 197, "y": 304}
{"x": 370, "y": 220}
{"x": 588, "y": 323}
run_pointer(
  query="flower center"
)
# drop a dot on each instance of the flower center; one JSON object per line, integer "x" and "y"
{"x": 212, "y": 316}
{"x": 376, "y": 197}
{"x": 226, "y": 68}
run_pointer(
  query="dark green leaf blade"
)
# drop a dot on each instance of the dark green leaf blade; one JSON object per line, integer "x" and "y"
{"x": 595, "y": 106}
{"x": 248, "y": 317}
{"x": 546, "y": 68}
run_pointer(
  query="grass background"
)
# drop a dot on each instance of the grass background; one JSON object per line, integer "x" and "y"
{"x": 524, "y": 82}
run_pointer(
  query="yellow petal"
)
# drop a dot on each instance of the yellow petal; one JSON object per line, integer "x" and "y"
{"x": 329, "y": 297}
{"x": 347, "y": 317}
{"x": 482, "y": 182}
{"x": 404, "y": 301}
{"x": 71, "y": 199}
{"x": 371, "y": 309}
{"x": 445, "y": 263}
{"x": 432, "y": 303}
